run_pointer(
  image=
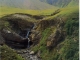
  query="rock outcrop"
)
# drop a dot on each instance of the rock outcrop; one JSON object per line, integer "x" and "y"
{"x": 2, "y": 41}
{"x": 55, "y": 38}
{"x": 8, "y": 35}
{"x": 35, "y": 37}
{"x": 43, "y": 24}
{"x": 13, "y": 39}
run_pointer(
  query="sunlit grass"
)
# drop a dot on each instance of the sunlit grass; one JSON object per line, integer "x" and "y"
{"x": 10, "y": 10}
{"x": 64, "y": 12}
{"x": 47, "y": 11}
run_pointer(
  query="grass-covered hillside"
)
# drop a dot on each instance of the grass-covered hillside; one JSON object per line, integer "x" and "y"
{"x": 9, "y": 54}
{"x": 55, "y": 35}
{"x": 10, "y": 10}
{"x": 60, "y": 39}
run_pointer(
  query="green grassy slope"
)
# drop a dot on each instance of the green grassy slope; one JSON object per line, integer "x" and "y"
{"x": 65, "y": 50}
{"x": 65, "y": 12}
{"x": 9, "y": 10}
{"x": 68, "y": 49}
{"x": 9, "y": 54}
{"x": 73, "y": 3}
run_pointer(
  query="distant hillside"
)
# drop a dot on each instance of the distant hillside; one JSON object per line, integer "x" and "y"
{"x": 74, "y": 3}
{"x": 61, "y": 3}
{"x": 27, "y": 4}
{"x": 38, "y": 4}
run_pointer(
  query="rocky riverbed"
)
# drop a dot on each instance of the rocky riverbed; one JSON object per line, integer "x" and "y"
{"x": 27, "y": 54}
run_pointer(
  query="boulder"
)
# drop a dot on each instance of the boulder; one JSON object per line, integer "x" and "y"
{"x": 12, "y": 36}
{"x": 8, "y": 35}
{"x": 31, "y": 53}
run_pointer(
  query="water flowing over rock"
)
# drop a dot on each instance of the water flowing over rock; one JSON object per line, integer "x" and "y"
{"x": 14, "y": 38}
{"x": 20, "y": 34}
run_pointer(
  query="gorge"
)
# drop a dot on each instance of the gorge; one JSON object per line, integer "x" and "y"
{"x": 19, "y": 39}
{"x": 40, "y": 37}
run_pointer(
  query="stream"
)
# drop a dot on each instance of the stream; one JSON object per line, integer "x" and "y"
{"x": 26, "y": 53}
{"x": 23, "y": 48}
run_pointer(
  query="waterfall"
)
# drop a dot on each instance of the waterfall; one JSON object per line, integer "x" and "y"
{"x": 28, "y": 42}
{"x": 27, "y": 33}
{"x": 27, "y": 36}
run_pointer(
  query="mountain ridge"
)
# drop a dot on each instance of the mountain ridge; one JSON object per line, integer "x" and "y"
{"x": 38, "y": 4}
{"x": 26, "y": 4}
{"x": 61, "y": 3}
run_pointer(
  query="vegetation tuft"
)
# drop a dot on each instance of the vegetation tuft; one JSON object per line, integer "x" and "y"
{"x": 9, "y": 54}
